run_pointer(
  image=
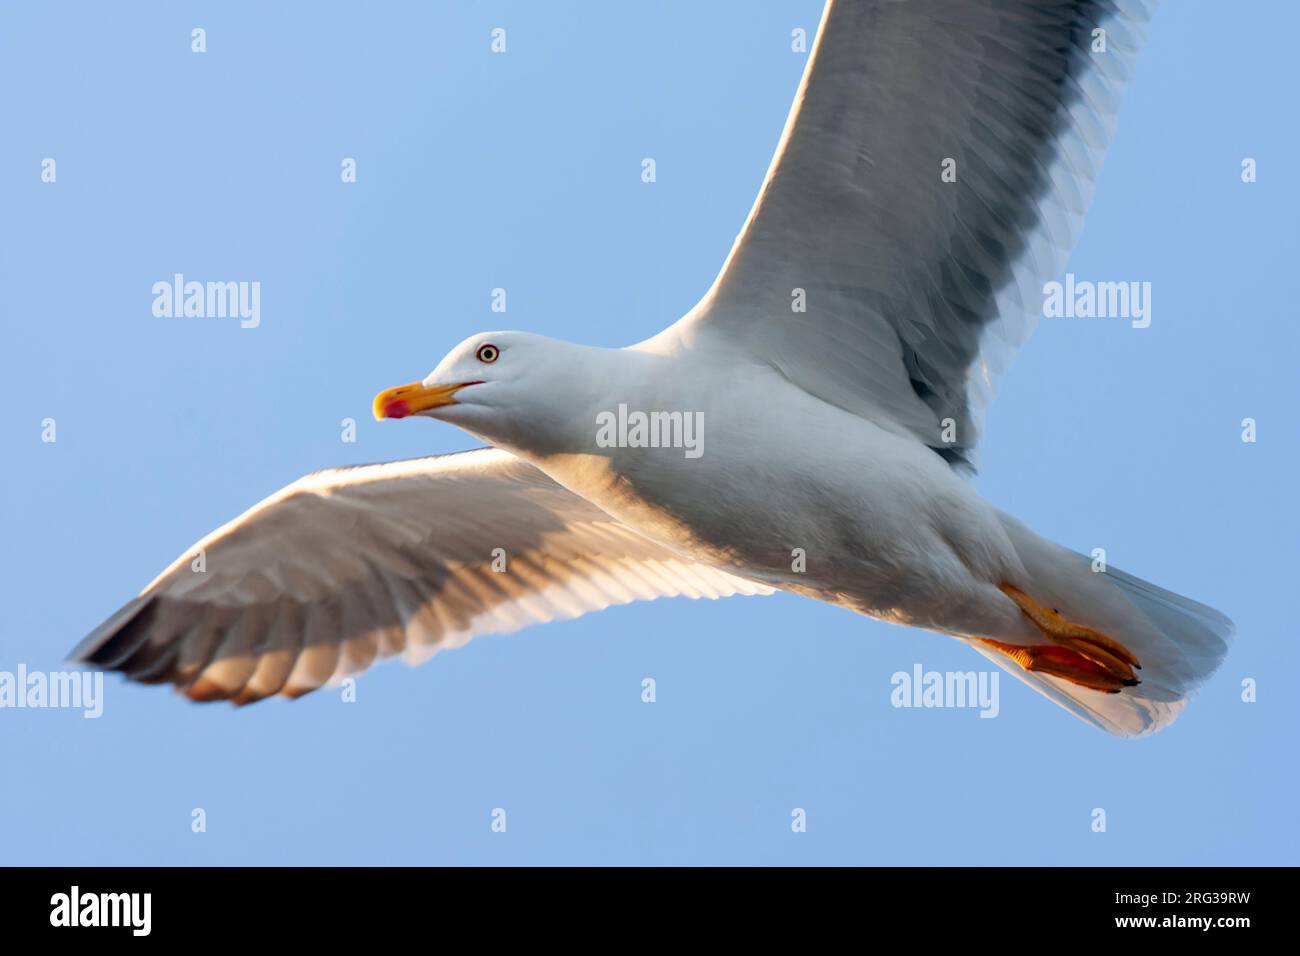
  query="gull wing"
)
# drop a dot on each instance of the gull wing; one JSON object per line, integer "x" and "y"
{"x": 353, "y": 564}
{"x": 918, "y": 291}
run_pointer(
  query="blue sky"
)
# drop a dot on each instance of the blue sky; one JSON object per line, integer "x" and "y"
{"x": 522, "y": 171}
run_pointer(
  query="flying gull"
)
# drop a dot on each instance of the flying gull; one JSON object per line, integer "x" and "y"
{"x": 809, "y": 426}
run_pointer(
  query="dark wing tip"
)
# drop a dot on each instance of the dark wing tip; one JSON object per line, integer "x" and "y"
{"x": 113, "y": 642}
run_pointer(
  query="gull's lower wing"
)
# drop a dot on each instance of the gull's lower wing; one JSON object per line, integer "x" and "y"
{"x": 932, "y": 175}
{"x": 353, "y": 564}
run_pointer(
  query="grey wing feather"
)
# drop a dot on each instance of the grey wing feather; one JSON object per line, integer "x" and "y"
{"x": 351, "y": 565}
{"x": 918, "y": 291}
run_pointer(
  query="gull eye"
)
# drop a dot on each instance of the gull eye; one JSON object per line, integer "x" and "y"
{"x": 488, "y": 353}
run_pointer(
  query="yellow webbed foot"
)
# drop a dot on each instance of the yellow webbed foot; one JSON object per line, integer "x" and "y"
{"x": 1079, "y": 654}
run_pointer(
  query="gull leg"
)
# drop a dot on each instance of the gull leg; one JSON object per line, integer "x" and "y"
{"x": 1079, "y": 654}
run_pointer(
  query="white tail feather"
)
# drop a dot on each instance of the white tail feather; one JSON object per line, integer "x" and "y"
{"x": 1179, "y": 641}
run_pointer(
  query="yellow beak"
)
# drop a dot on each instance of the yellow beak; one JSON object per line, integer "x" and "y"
{"x": 408, "y": 399}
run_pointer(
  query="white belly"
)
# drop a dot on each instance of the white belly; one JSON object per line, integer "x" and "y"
{"x": 782, "y": 488}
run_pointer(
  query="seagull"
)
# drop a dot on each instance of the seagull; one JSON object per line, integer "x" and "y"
{"x": 810, "y": 426}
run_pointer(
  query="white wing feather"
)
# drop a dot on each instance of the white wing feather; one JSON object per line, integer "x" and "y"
{"x": 918, "y": 291}
{"x": 354, "y": 564}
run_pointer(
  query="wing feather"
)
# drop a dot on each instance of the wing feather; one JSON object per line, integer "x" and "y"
{"x": 918, "y": 291}
{"x": 348, "y": 566}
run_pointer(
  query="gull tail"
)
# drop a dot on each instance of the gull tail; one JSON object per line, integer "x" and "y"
{"x": 1178, "y": 641}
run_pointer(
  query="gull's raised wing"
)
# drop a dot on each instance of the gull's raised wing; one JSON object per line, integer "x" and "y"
{"x": 352, "y": 564}
{"x": 919, "y": 290}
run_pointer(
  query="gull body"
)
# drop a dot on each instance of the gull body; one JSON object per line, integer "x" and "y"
{"x": 884, "y": 526}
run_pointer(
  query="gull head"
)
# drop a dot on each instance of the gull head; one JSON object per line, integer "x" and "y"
{"x": 510, "y": 388}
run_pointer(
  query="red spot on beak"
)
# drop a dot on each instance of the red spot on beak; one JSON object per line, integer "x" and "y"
{"x": 397, "y": 409}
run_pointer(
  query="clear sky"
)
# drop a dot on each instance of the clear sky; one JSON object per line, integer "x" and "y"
{"x": 522, "y": 171}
